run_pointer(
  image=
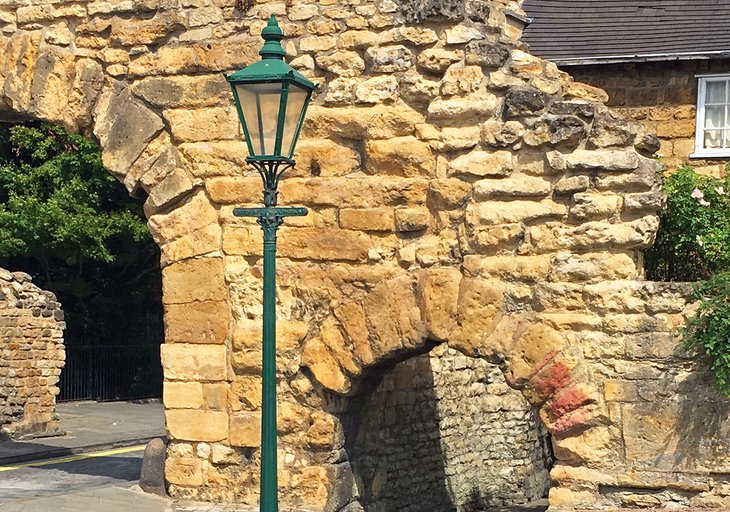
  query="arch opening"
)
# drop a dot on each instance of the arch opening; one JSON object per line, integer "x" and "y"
{"x": 444, "y": 431}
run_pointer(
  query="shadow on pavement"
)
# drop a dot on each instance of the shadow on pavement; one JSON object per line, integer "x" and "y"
{"x": 119, "y": 468}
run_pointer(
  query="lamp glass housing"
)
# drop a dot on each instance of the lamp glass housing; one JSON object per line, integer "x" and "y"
{"x": 271, "y": 116}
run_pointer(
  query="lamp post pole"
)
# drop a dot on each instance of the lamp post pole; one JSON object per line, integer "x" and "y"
{"x": 271, "y": 99}
{"x": 270, "y": 217}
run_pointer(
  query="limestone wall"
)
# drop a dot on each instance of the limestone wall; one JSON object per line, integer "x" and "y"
{"x": 445, "y": 429}
{"x": 461, "y": 191}
{"x": 32, "y": 355}
{"x": 662, "y": 96}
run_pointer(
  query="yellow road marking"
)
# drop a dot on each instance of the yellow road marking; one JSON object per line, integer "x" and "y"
{"x": 72, "y": 458}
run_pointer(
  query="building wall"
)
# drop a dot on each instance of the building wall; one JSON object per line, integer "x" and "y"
{"x": 662, "y": 96}
{"x": 461, "y": 192}
{"x": 32, "y": 356}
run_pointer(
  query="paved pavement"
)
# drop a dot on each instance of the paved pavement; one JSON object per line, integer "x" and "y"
{"x": 91, "y": 426}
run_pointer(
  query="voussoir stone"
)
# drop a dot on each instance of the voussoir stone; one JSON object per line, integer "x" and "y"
{"x": 123, "y": 126}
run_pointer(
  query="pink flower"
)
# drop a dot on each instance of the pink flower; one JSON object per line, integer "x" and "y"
{"x": 720, "y": 191}
{"x": 704, "y": 203}
{"x": 697, "y": 194}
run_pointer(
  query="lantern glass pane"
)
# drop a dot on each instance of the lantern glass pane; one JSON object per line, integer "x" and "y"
{"x": 260, "y": 105}
{"x": 294, "y": 106}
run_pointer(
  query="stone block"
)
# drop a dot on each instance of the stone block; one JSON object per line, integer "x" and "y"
{"x": 123, "y": 125}
{"x": 367, "y": 219}
{"x": 213, "y": 123}
{"x": 183, "y": 395}
{"x": 245, "y": 429}
{"x": 323, "y": 245}
{"x": 216, "y": 396}
{"x": 345, "y": 63}
{"x": 389, "y": 59}
{"x": 437, "y": 60}
{"x": 198, "y": 243}
{"x": 439, "y": 297}
{"x": 377, "y": 89}
{"x": 412, "y": 219}
{"x": 170, "y": 92}
{"x": 602, "y": 160}
{"x": 194, "y": 362}
{"x": 509, "y": 212}
{"x": 52, "y": 82}
{"x": 197, "y": 322}
{"x": 184, "y": 471}
{"x": 483, "y": 108}
{"x": 448, "y": 193}
{"x": 195, "y": 425}
{"x": 324, "y": 367}
{"x": 173, "y": 186}
{"x": 400, "y": 156}
{"x": 483, "y": 163}
{"x": 516, "y": 185}
{"x": 194, "y": 280}
{"x": 194, "y": 214}
{"x": 243, "y": 240}
{"x": 587, "y": 206}
{"x": 376, "y": 122}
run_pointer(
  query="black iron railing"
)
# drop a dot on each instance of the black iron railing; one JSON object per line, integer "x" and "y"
{"x": 111, "y": 372}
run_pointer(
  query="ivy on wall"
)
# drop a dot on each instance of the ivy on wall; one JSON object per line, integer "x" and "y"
{"x": 693, "y": 244}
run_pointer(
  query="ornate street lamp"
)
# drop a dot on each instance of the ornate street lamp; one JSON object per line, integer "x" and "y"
{"x": 271, "y": 98}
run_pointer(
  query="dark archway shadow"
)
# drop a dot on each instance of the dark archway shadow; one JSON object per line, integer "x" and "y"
{"x": 395, "y": 448}
{"x": 444, "y": 433}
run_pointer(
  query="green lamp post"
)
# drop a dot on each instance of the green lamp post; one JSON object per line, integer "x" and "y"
{"x": 271, "y": 98}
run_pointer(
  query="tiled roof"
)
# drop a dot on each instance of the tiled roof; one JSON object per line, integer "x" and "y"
{"x": 595, "y": 31}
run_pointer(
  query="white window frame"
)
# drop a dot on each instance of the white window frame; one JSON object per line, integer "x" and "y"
{"x": 700, "y": 150}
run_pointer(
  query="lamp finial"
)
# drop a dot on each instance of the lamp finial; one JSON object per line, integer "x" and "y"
{"x": 273, "y": 35}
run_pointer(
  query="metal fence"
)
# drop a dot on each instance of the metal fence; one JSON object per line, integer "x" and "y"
{"x": 111, "y": 372}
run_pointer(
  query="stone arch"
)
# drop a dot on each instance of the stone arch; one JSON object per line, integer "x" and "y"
{"x": 462, "y": 192}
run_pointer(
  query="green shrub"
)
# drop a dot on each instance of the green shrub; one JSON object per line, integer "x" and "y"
{"x": 709, "y": 330}
{"x": 693, "y": 244}
{"x": 693, "y": 241}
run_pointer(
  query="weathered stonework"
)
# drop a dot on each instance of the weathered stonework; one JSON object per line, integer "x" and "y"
{"x": 445, "y": 429}
{"x": 662, "y": 98}
{"x": 32, "y": 355}
{"x": 457, "y": 197}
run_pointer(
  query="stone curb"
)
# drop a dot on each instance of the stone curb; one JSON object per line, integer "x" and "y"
{"x": 57, "y": 452}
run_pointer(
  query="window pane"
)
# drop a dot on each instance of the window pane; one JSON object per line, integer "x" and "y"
{"x": 260, "y": 105}
{"x": 713, "y": 139}
{"x": 727, "y": 139}
{"x": 715, "y": 117}
{"x": 294, "y": 106}
{"x": 716, "y": 92}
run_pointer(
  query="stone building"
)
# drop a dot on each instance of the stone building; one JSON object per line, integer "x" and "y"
{"x": 663, "y": 64}
{"x": 32, "y": 355}
{"x": 468, "y": 200}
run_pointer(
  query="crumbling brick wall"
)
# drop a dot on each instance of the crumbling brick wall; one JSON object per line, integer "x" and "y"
{"x": 31, "y": 345}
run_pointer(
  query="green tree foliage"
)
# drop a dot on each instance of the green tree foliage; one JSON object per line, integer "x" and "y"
{"x": 693, "y": 244}
{"x": 66, "y": 221}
